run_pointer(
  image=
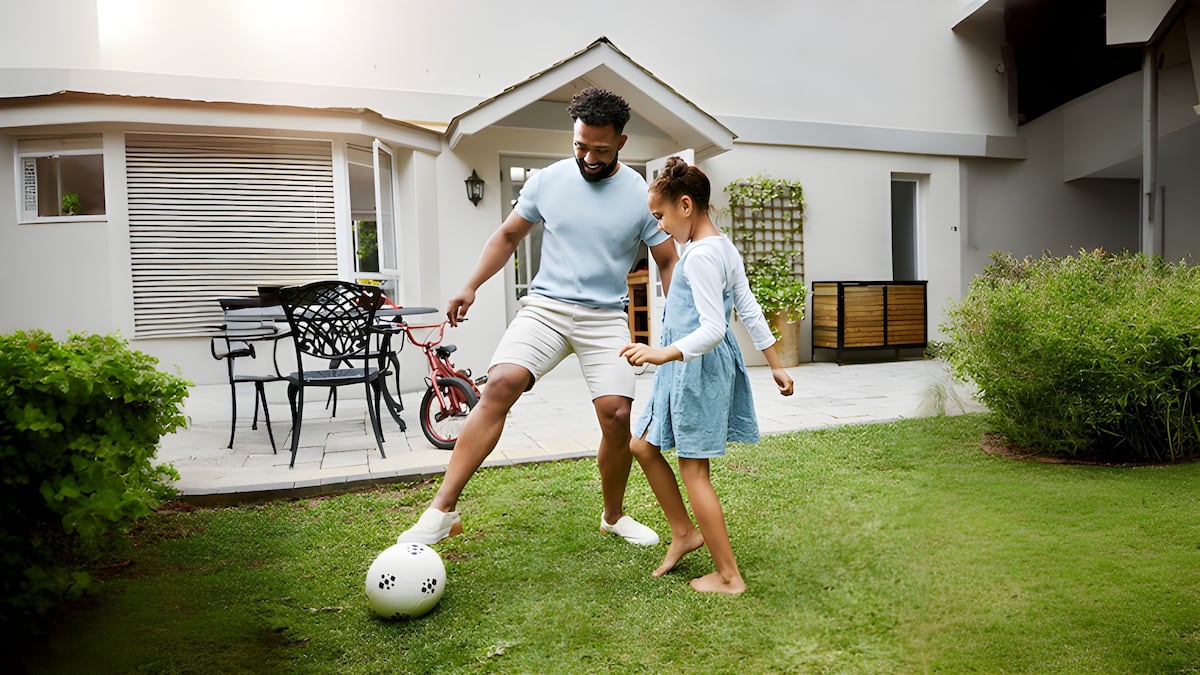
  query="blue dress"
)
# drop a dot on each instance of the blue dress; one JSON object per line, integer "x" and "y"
{"x": 698, "y": 406}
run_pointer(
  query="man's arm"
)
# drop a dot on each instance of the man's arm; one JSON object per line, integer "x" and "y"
{"x": 496, "y": 252}
{"x": 665, "y": 256}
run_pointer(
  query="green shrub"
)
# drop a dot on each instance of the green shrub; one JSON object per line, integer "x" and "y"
{"x": 776, "y": 286}
{"x": 1095, "y": 356}
{"x": 81, "y": 423}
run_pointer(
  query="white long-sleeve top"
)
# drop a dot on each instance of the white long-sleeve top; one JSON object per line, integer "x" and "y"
{"x": 715, "y": 273}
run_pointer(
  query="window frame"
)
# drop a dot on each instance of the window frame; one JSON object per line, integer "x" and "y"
{"x": 387, "y": 228}
{"x": 38, "y": 148}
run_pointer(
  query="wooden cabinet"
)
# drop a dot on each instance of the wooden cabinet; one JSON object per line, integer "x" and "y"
{"x": 851, "y": 315}
{"x": 639, "y": 306}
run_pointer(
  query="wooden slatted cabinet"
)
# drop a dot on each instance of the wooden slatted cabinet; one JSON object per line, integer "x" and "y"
{"x": 849, "y": 315}
{"x": 639, "y": 306}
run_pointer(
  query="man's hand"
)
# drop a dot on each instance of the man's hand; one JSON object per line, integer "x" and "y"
{"x": 457, "y": 309}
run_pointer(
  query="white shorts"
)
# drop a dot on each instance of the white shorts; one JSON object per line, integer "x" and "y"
{"x": 545, "y": 331}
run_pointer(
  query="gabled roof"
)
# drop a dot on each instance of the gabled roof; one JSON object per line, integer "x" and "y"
{"x": 603, "y": 65}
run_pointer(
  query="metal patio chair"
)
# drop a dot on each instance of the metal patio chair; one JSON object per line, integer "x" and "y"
{"x": 236, "y": 340}
{"x": 331, "y": 321}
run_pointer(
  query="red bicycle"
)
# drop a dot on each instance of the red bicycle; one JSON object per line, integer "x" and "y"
{"x": 451, "y": 394}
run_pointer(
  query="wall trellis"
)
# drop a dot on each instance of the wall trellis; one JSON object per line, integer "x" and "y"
{"x": 767, "y": 215}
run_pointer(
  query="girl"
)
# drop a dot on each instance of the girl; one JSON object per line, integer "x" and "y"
{"x": 701, "y": 398}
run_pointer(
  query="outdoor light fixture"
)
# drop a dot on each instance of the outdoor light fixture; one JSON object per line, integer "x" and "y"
{"x": 474, "y": 188}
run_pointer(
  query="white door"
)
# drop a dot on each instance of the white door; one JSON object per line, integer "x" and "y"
{"x": 385, "y": 219}
{"x": 658, "y": 299}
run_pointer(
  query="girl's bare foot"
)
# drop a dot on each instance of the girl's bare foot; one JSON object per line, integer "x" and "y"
{"x": 680, "y": 546}
{"x": 713, "y": 583}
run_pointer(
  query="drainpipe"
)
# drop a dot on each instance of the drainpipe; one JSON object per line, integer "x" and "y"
{"x": 1152, "y": 226}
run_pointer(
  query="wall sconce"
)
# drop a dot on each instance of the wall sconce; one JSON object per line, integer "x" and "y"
{"x": 474, "y": 188}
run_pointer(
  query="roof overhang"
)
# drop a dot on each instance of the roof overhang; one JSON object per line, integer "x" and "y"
{"x": 1138, "y": 23}
{"x": 81, "y": 108}
{"x": 603, "y": 65}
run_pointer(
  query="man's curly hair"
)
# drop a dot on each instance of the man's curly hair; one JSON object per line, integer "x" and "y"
{"x": 599, "y": 107}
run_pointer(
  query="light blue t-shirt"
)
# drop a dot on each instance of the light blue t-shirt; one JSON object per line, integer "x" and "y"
{"x": 592, "y": 232}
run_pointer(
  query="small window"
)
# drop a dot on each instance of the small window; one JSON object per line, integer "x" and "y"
{"x": 63, "y": 181}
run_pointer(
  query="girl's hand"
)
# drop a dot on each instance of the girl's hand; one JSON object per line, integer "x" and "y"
{"x": 783, "y": 381}
{"x": 638, "y": 354}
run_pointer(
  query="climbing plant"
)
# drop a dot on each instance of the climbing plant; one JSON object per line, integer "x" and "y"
{"x": 767, "y": 226}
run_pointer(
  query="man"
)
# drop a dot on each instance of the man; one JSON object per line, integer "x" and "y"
{"x": 595, "y": 215}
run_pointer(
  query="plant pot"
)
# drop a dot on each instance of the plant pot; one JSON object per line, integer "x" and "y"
{"x": 788, "y": 345}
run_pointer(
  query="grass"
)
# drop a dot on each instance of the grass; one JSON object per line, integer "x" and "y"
{"x": 890, "y": 548}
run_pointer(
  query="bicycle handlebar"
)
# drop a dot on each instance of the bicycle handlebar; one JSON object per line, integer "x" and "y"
{"x": 429, "y": 341}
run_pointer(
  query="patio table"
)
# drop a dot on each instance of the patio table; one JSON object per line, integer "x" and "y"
{"x": 387, "y": 320}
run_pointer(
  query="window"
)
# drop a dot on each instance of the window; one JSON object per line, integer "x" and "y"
{"x": 373, "y": 216}
{"x": 61, "y": 178}
{"x": 214, "y": 216}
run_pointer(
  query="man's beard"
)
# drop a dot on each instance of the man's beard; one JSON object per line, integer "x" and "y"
{"x": 599, "y": 175}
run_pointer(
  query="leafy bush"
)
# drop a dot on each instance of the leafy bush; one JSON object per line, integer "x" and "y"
{"x": 775, "y": 285}
{"x": 1095, "y": 356}
{"x": 81, "y": 423}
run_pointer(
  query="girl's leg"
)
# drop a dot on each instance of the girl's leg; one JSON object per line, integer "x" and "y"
{"x": 685, "y": 538}
{"x": 706, "y": 506}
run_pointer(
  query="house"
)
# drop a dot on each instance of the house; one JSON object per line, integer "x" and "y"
{"x": 211, "y": 148}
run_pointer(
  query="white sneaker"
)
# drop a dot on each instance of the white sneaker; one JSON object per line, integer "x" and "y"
{"x": 630, "y": 530}
{"x": 432, "y": 527}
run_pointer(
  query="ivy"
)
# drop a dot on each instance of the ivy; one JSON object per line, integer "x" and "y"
{"x": 759, "y": 191}
{"x": 767, "y": 217}
{"x": 776, "y": 286}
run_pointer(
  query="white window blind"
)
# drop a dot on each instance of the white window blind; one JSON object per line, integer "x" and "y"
{"x": 219, "y": 216}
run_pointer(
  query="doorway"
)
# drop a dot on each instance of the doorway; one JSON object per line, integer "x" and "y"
{"x": 526, "y": 260}
{"x": 905, "y": 228}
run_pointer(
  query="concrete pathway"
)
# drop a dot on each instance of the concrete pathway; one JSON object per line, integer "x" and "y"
{"x": 553, "y": 421}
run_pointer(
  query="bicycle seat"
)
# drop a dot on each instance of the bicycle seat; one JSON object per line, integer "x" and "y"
{"x": 446, "y": 350}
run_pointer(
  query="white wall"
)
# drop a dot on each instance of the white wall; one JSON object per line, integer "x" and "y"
{"x": 853, "y": 61}
{"x": 847, "y": 229}
{"x": 1025, "y": 207}
{"x": 56, "y": 275}
{"x": 1102, "y": 130}
{"x": 1179, "y": 175}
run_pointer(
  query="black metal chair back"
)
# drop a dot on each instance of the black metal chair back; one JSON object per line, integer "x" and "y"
{"x": 332, "y": 321}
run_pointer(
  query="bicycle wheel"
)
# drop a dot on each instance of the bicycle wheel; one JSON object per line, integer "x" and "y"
{"x": 441, "y": 426}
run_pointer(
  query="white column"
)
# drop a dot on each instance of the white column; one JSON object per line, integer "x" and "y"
{"x": 1151, "y": 229}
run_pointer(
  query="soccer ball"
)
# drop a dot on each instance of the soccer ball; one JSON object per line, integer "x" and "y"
{"x": 405, "y": 581}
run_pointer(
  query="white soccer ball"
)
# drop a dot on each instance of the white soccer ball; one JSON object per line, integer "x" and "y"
{"x": 405, "y": 581}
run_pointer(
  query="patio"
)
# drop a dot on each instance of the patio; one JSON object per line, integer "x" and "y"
{"x": 553, "y": 421}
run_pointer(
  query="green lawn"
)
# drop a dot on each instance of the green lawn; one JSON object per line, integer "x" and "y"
{"x": 891, "y": 548}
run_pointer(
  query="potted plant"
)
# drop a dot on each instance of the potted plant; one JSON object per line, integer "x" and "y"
{"x": 767, "y": 226}
{"x": 782, "y": 297}
{"x": 775, "y": 286}
{"x": 70, "y": 204}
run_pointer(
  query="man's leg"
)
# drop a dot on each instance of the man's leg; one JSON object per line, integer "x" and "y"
{"x": 614, "y": 460}
{"x": 597, "y": 341}
{"x": 476, "y": 440}
{"x": 481, "y": 431}
{"x": 613, "y": 457}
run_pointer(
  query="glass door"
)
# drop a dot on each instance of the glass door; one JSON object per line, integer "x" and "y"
{"x": 514, "y": 171}
{"x": 658, "y": 299}
{"x": 372, "y": 217}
